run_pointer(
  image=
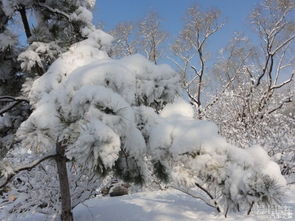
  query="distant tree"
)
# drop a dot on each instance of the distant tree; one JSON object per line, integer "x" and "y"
{"x": 125, "y": 43}
{"x": 190, "y": 48}
{"x": 151, "y": 36}
{"x": 146, "y": 37}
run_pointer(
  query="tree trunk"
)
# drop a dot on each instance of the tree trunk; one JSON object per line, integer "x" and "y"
{"x": 66, "y": 208}
{"x": 23, "y": 15}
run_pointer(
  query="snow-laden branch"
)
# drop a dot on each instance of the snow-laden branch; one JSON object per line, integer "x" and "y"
{"x": 55, "y": 10}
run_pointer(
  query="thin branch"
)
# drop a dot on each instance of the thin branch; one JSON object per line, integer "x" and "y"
{"x": 196, "y": 72}
{"x": 283, "y": 44}
{"x": 263, "y": 70}
{"x": 209, "y": 194}
{"x": 283, "y": 83}
{"x": 196, "y": 197}
{"x": 210, "y": 33}
{"x": 287, "y": 100}
{"x": 10, "y": 98}
{"x": 191, "y": 96}
{"x": 54, "y": 10}
{"x": 250, "y": 208}
{"x": 279, "y": 67}
{"x": 14, "y": 102}
{"x": 26, "y": 167}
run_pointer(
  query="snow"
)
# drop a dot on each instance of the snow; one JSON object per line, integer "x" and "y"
{"x": 82, "y": 14}
{"x": 7, "y": 39}
{"x": 179, "y": 107}
{"x": 169, "y": 205}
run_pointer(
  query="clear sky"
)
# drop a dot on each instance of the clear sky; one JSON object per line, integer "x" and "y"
{"x": 110, "y": 12}
{"x": 171, "y": 12}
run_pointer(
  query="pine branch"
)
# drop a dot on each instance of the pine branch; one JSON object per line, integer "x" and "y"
{"x": 54, "y": 10}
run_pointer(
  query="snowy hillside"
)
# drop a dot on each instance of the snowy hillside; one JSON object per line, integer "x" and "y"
{"x": 170, "y": 205}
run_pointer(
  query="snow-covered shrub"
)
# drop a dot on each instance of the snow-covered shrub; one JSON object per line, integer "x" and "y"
{"x": 192, "y": 153}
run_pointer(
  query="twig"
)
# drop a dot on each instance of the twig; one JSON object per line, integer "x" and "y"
{"x": 287, "y": 100}
{"x": 209, "y": 194}
{"x": 194, "y": 196}
{"x": 250, "y": 209}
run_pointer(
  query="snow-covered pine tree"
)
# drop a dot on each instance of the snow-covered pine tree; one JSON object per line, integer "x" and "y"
{"x": 50, "y": 28}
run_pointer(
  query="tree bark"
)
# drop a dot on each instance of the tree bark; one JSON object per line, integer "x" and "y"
{"x": 66, "y": 207}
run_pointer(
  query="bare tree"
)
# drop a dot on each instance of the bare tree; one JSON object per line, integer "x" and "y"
{"x": 151, "y": 36}
{"x": 277, "y": 34}
{"x": 125, "y": 42}
{"x": 190, "y": 49}
{"x": 252, "y": 109}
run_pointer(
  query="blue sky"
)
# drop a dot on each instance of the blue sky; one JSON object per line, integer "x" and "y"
{"x": 111, "y": 12}
{"x": 171, "y": 12}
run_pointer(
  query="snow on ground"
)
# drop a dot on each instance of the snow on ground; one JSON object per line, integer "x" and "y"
{"x": 170, "y": 205}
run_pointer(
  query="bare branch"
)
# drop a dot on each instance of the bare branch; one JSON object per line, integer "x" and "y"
{"x": 283, "y": 44}
{"x": 287, "y": 100}
{"x": 250, "y": 208}
{"x": 196, "y": 72}
{"x": 283, "y": 83}
{"x": 191, "y": 96}
{"x": 279, "y": 67}
{"x": 209, "y": 194}
{"x": 10, "y": 98}
{"x": 14, "y": 102}
{"x": 196, "y": 197}
{"x": 26, "y": 167}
